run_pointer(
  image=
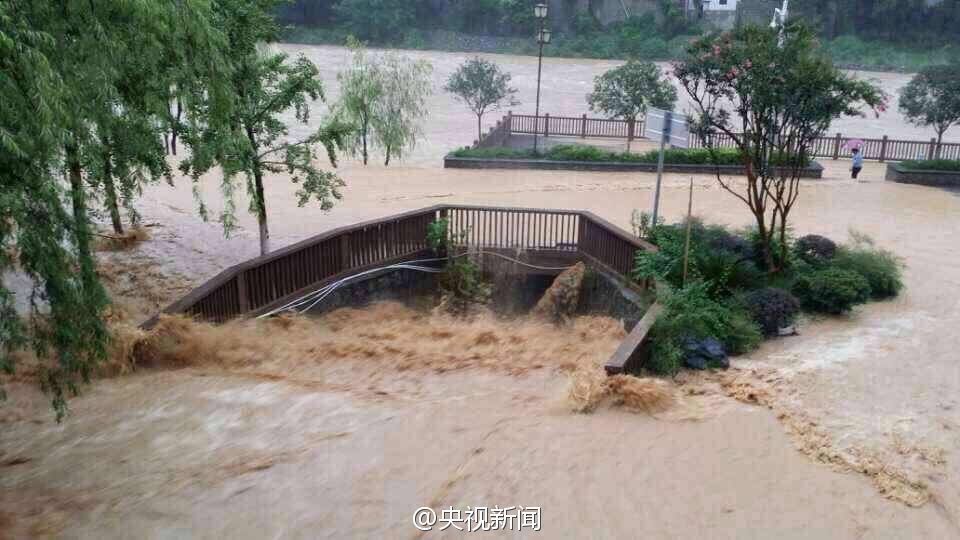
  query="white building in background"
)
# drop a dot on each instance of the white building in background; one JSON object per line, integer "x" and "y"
{"x": 718, "y": 13}
{"x": 717, "y": 5}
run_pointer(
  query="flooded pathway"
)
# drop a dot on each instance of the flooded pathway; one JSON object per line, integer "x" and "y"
{"x": 206, "y": 453}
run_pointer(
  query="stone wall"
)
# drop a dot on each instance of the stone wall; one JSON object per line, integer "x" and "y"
{"x": 896, "y": 173}
{"x": 409, "y": 287}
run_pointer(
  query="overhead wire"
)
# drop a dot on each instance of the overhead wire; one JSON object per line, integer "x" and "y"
{"x": 315, "y": 297}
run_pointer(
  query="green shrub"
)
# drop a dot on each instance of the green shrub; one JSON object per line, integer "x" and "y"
{"x": 753, "y": 236}
{"x": 882, "y": 269}
{"x": 583, "y": 152}
{"x": 462, "y": 285}
{"x": 580, "y": 152}
{"x": 437, "y": 235}
{"x": 690, "y": 312}
{"x": 772, "y": 309}
{"x": 952, "y": 165}
{"x": 717, "y": 257}
{"x": 831, "y": 290}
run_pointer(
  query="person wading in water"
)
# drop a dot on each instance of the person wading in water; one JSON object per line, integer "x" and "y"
{"x": 857, "y": 162}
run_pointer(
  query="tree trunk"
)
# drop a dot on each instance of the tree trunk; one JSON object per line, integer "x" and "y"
{"x": 176, "y": 127}
{"x": 765, "y": 247}
{"x": 386, "y": 162}
{"x": 479, "y": 128}
{"x": 783, "y": 241}
{"x": 260, "y": 201}
{"x": 111, "y": 193}
{"x": 940, "y": 132}
{"x": 363, "y": 134}
{"x": 261, "y": 204}
{"x": 81, "y": 231}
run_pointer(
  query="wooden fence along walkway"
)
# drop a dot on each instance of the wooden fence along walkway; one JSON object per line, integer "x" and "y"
{"x": 265, "y": 283}
{"x": 833, "y": 147}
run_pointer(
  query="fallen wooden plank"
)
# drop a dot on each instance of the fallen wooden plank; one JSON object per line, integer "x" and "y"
{"x": 629, "y": 353}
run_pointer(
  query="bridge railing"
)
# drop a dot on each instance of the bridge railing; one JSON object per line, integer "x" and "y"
{"x": 573, "y": 126}
{"x": 270, "y": 281}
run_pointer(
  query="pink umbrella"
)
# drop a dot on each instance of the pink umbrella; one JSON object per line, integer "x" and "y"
{"x": 853, "y": 143}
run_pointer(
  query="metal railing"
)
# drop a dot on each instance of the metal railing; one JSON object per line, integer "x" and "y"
{"x": 264, "y": 283}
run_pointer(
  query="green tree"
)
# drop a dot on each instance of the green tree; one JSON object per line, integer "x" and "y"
{"x": 626, "y": 91}
{"x": 361, "y": 90}
{"x": 769, "y": 100}
{"x": 69, "y": 79}
{"x": 378, "y": 21}
{"x": 252, "y": 141}
{"x": 402, "y": 106}
{"x": 932, "y": 98}
{"x": 483, "y": 87}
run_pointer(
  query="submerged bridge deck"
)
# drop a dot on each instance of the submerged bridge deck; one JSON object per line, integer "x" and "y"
{"x": 266, "y": 283}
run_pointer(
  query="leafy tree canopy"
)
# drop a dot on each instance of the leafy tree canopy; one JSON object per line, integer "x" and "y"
{"x": 378, "y": 20}
{"x": 626, "y": 91}
{"x": 403, "y": 105}
{"x": 483, "y": 87}
{"x": 78, "y": 79}
{"x": 769, "y": 99}
{"x": 253, "y": 140}
{"x": 932, "y": 98}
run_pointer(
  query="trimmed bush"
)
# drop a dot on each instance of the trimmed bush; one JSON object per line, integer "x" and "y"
{"x": 724, "y": 240}
{"x": 951, "y": 165}
{"x": 582, "y": 152}
{"x": 772, "y": 309}
{"x": 882, "y": 269}
{"x": 831, "y": 290}
{"x": 815, "y": 249}
{"x": 496, "y": 152}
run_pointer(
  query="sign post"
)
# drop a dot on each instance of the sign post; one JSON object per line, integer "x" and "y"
{"x": 671, "y": 130}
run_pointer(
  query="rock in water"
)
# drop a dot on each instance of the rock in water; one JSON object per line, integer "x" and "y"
{"x": 704, "y": 353}
{"x": 560, "y": 301}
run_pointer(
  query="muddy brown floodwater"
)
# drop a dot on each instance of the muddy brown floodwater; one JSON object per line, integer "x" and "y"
{"x": 851, "y": 430}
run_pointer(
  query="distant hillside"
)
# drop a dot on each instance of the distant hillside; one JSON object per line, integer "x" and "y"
{"x": 879, "y": 34}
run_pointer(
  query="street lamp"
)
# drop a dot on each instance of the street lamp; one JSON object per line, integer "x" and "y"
{"x": 540, "y": 11}
{"x": 780, "y": 20}
{"x": 543, "y": 38}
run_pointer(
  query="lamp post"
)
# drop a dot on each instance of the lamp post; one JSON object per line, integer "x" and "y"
{"x": 780, "y": 20}
{"x": 543, "y": 38}
{"x": 779, "y": 23}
